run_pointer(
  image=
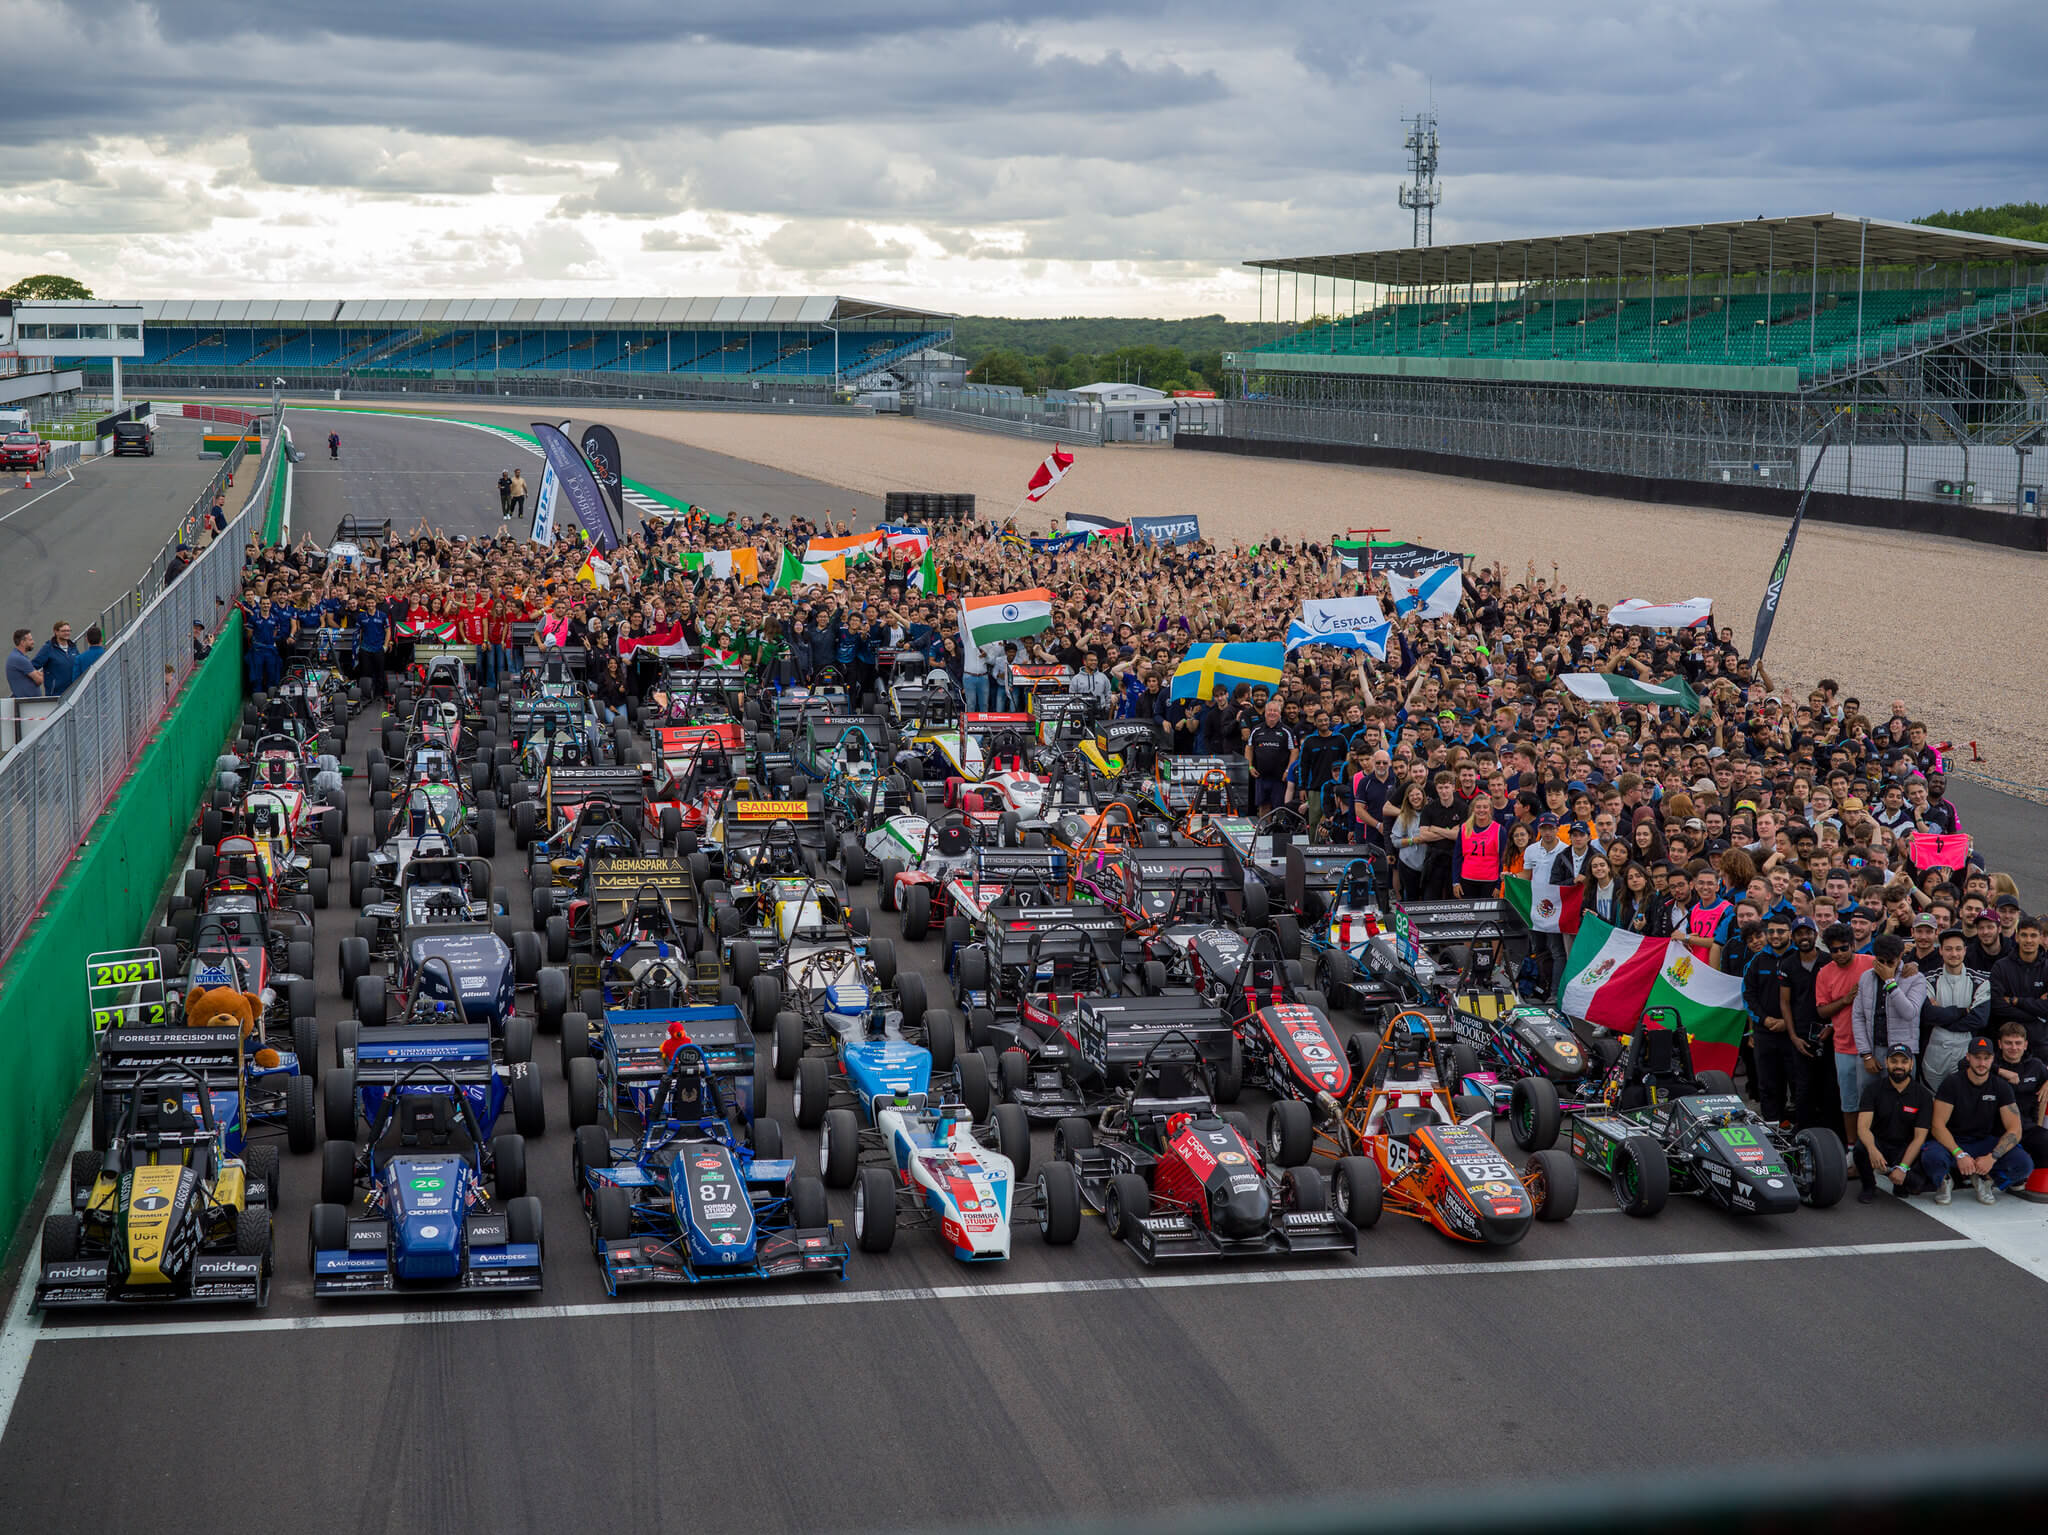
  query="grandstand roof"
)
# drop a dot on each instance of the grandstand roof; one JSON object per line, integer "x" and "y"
{"x": 762, "y": 309}
{"x": 1747, "y": 245}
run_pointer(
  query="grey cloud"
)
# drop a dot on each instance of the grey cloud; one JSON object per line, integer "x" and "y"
{"x": 669, "y": 240}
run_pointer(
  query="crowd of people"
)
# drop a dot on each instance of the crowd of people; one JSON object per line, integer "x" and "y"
{"x": 1897, "y": 994}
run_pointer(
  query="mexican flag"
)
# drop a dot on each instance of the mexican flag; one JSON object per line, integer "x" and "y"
{"x": 1612, "y": 978}
{"x": 926, "y": 576}
{"x": 1005, "y": 616}
{"x": 1545, "y": 907}
{"x": 1605, "y": 688}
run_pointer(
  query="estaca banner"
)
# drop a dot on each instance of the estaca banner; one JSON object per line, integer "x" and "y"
{"x": 585, "y": 495}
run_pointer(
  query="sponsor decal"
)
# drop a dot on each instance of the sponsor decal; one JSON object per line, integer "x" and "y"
{"x": 1230, "y": 1157}
{"x": 771, "y": 809}
{"x": 711, "y": 1163}
{"x": 430, "y": 1232}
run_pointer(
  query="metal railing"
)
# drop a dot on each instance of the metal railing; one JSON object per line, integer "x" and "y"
{"x": 124, "y": 609}
{"x": 1050, "y": 417}
{"x": 74, "y": 751}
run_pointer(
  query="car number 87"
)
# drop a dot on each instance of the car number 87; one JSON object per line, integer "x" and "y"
{"x": 1483, "y": 1172}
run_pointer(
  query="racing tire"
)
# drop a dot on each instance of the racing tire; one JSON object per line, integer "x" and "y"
{"x": 518, "y": 1040}
{"x": 1469, "y": 1106}
{"x": 1072, "y": 1134}
{"x": 941, "y": 1037}
{"x": 975, "y": 1089}
{"x": 508, "y": 1166}
{"x": 380, "y": 810}
{"x": 465, "y": 844}
{"x": 359, "y": 848}
{"x": 501, "y": 926}
{"x": 981, "y": 1028}
{"x": 1718, "y": 1084}
{"x": 526, "y": 1222}
{"x": 210, "y": 826}
{"x": 299, "y": 961}
{"x": 613, "y": 1208}
{"x": 338, "y": 1105}
{"x": 1257, "y": 906}
{"x": 301, "y": 1119}
{"x": 892, "y": 870}
{"x": 301, "y": 999}
{"x": 583, "y": 1093}
{"x": 1826, "y": 1169}
{"x": 1152, "y": 977}
{"x": 882, "y": 955}
{"x": 346, "y": 1033}
{"x": 1229, "y": 1077}
{"x": 1127, "y": 1200}
{"x": 1059, "y": 1204}
{"x": 358, "y": 881}
{"x": 1035, "y": 840}
{"x": 526, "y": 957}
{"x": 671, "y": 825}
{"x": 1013, "y": 1135}
{"x": 808, "y": 1209}
{"x": 1312, "y": 996}
{"x": 338, "y": 1173}
{"x": 957, "y": 935}
{"x": 260, "y": 1164}
{"x": 700, "y": 869}
{"x": 525, "y": 818}
{"x": 1334, "y": 975}
{"x": 86, "y": 1166}
{"x": 1641, "y": 1176}
{"x": 1534, "y": 1116}
{"x": 316, "y": 881}
{"x": 839, "y": 1148}
{"x": 63, "y": 1236}
{"x": 786, "y": 1045}
{"x": 306, "y": 1047}
{"x": 1290, "y": 1133}
{"x": 1464, "y": 1063}
{"x": 729, "y": 996}
{"x": 550, "y": 990}
{"x": 812, "y": 1095}
{"x": 369, "y": 999}
{"x": 558, "y": 939}
{"x": 910, "y": 998}
{"x": 1552, "y": 1179}
{"x": 326, "y": 1230}
{"x": 917, "y": 913}
{"x": 529, "y": 1108}
{"x": 1360, "y": 1048}
{"x": 853, "y": 860}
{"x": 575, "y": 1038}
{"x": 486, "y": 824}
{"x": 380, "y": 775}
{"x": 765, "y": 1137}
{"x": 743, "y": 963}
{"x": 543, "y": 902}
{"x": 727, "y": 919}
{"x": 1357, "y": 1191}
{"x": 686, "y": 843}
{"x": 1013, "y": 1068}
{"x": 861, "y": 920}
{"x": 593, "y": 1150}
{"x": 874, "y": 1210}
{"x": 1287, "y": 928}
{"x": 970, "y": 972}
{"x": 1306, "y": 1189}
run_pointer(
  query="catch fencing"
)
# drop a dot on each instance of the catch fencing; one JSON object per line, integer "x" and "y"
{"x": 74, "y": 752}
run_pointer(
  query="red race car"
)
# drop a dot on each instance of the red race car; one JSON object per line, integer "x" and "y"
{"x": 24, "y": 450}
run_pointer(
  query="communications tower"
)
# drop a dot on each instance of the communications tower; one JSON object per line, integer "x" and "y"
{"x": 1422, "y": 194}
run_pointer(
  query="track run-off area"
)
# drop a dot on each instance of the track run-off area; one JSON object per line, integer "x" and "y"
{"x": 920, "y": 1392}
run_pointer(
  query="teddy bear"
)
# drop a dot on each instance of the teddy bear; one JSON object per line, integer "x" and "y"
{"x": 223, "y": 1007}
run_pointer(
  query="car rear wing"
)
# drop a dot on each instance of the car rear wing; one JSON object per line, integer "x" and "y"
{"x": 130, "y": 1056}
{"x": 634, "y": 1037}
{"x": 616, "y": 883}
{"x": 386, "y": 1053}
{"x": 1054, "y": 927}
{"x": 1124, "y": 1031}
{"x": 1181, "y": 780}
{"x": 751, "y": 818}
{"x": 823, "y": 732}
{"x": 697, "y": 740}
{"x": 126, "y": 989}
{"x": 371, "y": 536}
{"x": 1021, "y": 866}
{"x": 625, "y": 788}
{"x": 1324, "y": 870}
{"x": 1033, "y": 679}
{"x": 791, "y": 711}
{"x": 1180, "y": 868}
{"x": 541, "y": 717}
{"x": 1432, "y": 924}
{"x": 1050, "y": 708}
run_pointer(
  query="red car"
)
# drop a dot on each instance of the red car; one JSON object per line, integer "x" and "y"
{"x": 24, "y": 450}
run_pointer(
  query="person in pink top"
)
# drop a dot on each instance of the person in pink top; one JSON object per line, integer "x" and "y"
{"x": 1834, "y": 989}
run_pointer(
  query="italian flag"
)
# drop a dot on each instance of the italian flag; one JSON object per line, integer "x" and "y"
{"x": 1612, "y": 978}
{"x": 1543, "y": 906}
{"x": 793, "y": 571}
{"x": 1605, "y": 688}
{"x": 926, "y": 577}
{"x": 1005, "y": 616}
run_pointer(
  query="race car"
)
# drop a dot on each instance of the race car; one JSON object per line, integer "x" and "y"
{"x": 621, "y": 906}
{"x": 1428, "y": 1147}
{"x": 259, "y": 829}
{"x": 431, "y": 817}
{"x": 231, "y": 934}
{"x": 1336, "y": 945}
{"x": 306, "y": 788}
{"x": 775, "y": 836}
{"x": 700, "y": 1193}
{"x": 919, "y": 860}
{"x": 1667, "y": 1129}
{"x": 442, "y": 1207}
{"x": 1175, "y": 1178}
{"x": 494, "y": 1070}
{"x": 24, "y": 450}
{"x": 1024, "y": 948}
{"x": 694, "y": 768}
{"x": 165, "y": 1214}
{"x": 1290, "y": 1047}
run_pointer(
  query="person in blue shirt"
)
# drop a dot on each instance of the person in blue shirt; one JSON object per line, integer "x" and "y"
{"x": 57, "y": 660}
{"x": 373, "y": 630}
{"x": 94, "y": 649}
{"x": 270, "y": 629}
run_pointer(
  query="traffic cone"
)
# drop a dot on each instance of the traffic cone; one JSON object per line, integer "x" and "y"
{"x": 2035, "y": 1189}
{"x": 27, "y": 483}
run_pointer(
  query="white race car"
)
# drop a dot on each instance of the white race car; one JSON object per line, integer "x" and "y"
{"x": 940, "y": 1172}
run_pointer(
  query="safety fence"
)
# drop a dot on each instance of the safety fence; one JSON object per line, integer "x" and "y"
{"x": 75, "y": 751}
{"x": 119, "y": 866}
{"x": 184, "y": 541}
{"x": 1054, "y": 416}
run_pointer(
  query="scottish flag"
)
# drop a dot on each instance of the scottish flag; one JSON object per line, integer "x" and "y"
{"x": 1371, "y": 639}
{"x": 1430, "y": 593}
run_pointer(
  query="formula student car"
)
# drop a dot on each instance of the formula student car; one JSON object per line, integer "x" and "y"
{"x": 1352, "y": 881}
{"x": 307, "y": 789}
{"x": 231, "y": 934}
{"x": 919, "y": 859}
{"x": 1290, "y": 1046}
{"x": 1176, "y": 1178}
{"x": 165, "y": 1214}
{"x": 700, "y": 1192}
{"x": 442, "y": 1207}
{"x": 1670, "y": 1129}
{"x": 694, "y": 768}
{"x": 1429, "y": 1148}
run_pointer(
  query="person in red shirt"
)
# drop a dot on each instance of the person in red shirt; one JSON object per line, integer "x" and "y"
{"x": 1834, "y": 989}
{"x": 473, "y": 623}
{"x": 1481, "y": 846}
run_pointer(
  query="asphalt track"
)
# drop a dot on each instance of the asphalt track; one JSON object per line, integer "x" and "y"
{"x": 922, "y": 1393}
{"x": 81, "y": 537}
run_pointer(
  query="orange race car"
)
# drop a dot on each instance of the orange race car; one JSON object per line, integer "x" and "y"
{"x": 1405, "y": 1139}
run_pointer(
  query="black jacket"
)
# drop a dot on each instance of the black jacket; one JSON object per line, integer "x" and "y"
{"x": 2020, "y": 990}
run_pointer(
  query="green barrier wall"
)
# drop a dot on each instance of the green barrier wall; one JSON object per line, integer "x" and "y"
{"x": 106, "y": 901}
{"x": 273, "y": 513}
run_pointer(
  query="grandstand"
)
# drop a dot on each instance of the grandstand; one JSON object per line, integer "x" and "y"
{"x": 1711, "y": 352}
{"x": 658, "y": 347}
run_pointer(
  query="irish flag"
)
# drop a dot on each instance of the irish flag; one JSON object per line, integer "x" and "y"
{"x": 1613, "y": 977}
{"x": 853, "y": 548}
{"x": 1543, "y": 906}
{"x": 926, "y": 576}
{"x": 1049, "y": 473}
{"x": 1005, "y": 616}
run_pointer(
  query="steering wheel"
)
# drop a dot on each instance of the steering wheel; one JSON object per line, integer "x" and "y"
{"x": 801, "y": 972}
{"x": 1282, "y": 818}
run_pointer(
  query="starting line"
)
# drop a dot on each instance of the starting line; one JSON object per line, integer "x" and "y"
{"x": 780, "y": 1300}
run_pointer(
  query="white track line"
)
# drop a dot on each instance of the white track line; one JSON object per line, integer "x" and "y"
{"x": 781, "y": 1299}
{"x": 69, "y": 475}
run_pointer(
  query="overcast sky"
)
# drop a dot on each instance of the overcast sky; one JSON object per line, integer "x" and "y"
{"x": 1070, "y": 157}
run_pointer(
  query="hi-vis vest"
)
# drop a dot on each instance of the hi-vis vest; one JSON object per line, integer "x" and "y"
{"x": 1479, "y": 854}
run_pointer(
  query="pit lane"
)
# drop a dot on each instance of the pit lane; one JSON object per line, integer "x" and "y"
{"x": 921, "y": 1391}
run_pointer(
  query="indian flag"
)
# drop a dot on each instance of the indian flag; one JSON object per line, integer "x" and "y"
{"x": 1606, "y": 688}
{"x": 1613, "y": 978}
{"x": 926, "y": 576}
{"x": 1545, "y": 907}
{"x": 1005, "y": 616}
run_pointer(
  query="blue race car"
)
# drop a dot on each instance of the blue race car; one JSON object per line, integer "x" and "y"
{"x": 687, "y": 1201}
{"x": 443, "y": 1208}
{"x": 620, "y": 1070}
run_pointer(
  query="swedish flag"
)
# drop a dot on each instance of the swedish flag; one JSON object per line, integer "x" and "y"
{"x": 1214, "y": 664}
